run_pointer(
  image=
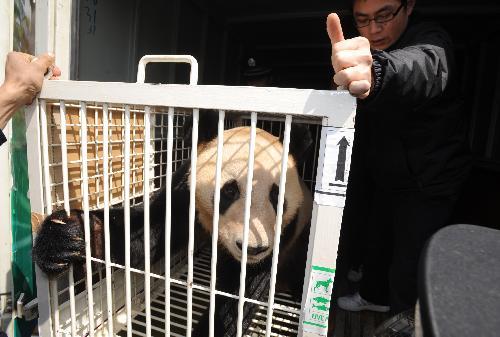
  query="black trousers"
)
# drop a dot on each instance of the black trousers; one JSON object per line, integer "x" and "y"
{"x": 393, "y": 237}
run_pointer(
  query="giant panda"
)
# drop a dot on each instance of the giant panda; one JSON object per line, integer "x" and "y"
{"x": 60, "y": 239}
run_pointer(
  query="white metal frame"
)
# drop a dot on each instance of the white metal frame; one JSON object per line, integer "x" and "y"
{"x": 53, "y": 34}
{"x": 295, "y": 102}
{"x": 141, "y": 70}
{"x": 333, "y": 108}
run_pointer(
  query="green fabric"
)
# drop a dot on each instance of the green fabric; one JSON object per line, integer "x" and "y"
{"x": 23, "y": 275}
{"x": 22, "y": 263}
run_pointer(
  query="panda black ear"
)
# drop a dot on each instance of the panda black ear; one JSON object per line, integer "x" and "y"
{"x": 207, "y": 127}
{"x": 300, "y": 141}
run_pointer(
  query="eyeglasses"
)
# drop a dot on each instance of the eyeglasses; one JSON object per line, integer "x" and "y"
{"x": 381, "y": 18}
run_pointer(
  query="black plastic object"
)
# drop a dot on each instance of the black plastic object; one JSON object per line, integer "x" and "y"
{"x": 459, "y": 282}
{"x": 400, "y": 325}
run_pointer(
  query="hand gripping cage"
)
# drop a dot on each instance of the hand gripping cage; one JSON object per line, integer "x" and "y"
{"x": 93, "y": 145}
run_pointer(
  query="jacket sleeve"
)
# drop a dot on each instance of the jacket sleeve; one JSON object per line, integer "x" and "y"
{"x": 416, "y": 71}
{"x": 2, "y": 138}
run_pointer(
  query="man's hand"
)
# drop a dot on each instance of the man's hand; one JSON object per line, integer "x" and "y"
{"x": 351, "y": 59}
{"x": 24, "y": 76}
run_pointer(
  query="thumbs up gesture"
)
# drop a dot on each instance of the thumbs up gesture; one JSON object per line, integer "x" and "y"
{"x": 351, "y": 59}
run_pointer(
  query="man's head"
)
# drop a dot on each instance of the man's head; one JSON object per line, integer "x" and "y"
{"x": 382, "y": 21}
{"x": 256, "y": 75}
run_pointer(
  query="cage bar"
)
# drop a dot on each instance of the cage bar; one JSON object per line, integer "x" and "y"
{"x": 86, "y": 215}
{"x": 279, "y": 220}
{"x": 107, "y": 251}
{"x": 168, "y": 216}
{"x": 215, "y": 220}
{"x": 64, "y": 157}
{"x": 54, "y": 300}
{"x": 192, "y": 214}
{"x": 147, "y": 236}
{"x": 246, "y": 224}
{"x": 126, "y": 209}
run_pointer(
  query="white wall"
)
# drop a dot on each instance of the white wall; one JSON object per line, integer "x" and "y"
{"x": 6, "y": 36}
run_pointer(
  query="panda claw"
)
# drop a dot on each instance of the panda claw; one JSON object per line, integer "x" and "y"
{"x": 54, "y": 268}
{"x": 59, "y": 242}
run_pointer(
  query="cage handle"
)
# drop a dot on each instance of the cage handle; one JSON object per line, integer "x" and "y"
{"x": 141, "y": 69}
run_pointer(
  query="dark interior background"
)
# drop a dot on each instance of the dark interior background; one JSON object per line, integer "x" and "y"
{"x": 289, "y": 36}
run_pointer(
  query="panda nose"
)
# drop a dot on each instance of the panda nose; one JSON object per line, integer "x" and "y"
{"x": 252, "y": 250}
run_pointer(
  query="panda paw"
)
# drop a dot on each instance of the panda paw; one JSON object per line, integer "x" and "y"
{"x": 59, "y": 242}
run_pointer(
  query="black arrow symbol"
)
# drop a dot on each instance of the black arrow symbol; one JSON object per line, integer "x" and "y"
{"x": 340, "y": 174}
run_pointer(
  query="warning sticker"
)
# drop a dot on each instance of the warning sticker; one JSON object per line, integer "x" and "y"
{"x": 317, "y": 306}
{"x": 331, "y": 190}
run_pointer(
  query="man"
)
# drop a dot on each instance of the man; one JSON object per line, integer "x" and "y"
{"x": 409, "y": 144}
{"x": 23, "y": 80}
{"x": 257, "y": 75}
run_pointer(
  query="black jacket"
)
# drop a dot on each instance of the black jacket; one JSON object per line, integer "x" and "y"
{"x": 2, "y": 138}
{"x": 410, "y": 131}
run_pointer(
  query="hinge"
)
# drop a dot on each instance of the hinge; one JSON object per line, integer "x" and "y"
{"x": 28, "y": 311}
{"x": 5, "y": 310}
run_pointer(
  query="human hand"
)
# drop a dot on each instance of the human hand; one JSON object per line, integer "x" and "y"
{"x": 24, "y": 75}
{"x": 351, "y": 59}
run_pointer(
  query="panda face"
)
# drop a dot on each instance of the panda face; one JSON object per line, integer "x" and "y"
{"x": 267, "y": 164}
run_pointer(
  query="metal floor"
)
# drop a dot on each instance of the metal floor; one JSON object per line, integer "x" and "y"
{"x": 284, "y": 323}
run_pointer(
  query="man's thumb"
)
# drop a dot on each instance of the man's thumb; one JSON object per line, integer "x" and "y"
{"x": 44, "y": 61}
{"x": 334, "y": 28}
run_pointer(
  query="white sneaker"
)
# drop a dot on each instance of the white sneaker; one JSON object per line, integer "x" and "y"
{"x": 355, "y": 302}
{"x": 355, "y": 275}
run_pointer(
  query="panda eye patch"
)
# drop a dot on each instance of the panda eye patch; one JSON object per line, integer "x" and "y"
{"x": 229, "y": 193}
{"x": 273, "y": 198}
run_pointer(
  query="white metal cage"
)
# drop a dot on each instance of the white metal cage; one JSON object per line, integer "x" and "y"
{"x": 95, "y": 145}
